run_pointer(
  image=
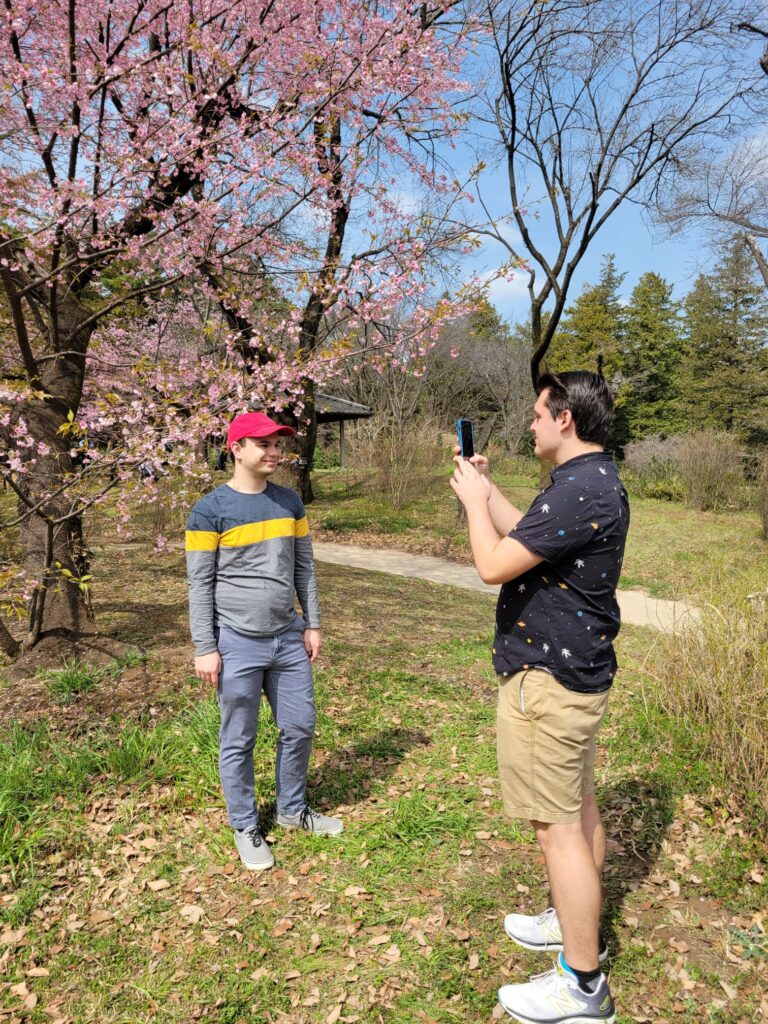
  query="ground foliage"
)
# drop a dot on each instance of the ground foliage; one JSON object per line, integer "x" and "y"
{"x": 128, "y": 903}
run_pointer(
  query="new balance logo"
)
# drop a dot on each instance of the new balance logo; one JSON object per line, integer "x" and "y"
{"x": 563, "y": 1002}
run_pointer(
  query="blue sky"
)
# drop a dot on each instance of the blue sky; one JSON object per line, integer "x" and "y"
{"x": 637, "y": 245}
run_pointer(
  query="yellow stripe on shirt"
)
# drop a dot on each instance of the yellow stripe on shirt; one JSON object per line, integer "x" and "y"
{"x": 254, "y": 533}
{"x": 302, "y": 527}
{"x": 201, "y": 540}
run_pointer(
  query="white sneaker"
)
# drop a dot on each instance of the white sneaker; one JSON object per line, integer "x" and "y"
{"x": 556, "y": 998}
{"x": 541, "y": 932}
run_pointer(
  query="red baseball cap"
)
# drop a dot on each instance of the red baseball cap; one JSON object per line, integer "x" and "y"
{"x": 254, "y": 424}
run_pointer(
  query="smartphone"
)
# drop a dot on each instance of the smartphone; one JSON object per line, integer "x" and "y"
{"x": 466, "y": 438}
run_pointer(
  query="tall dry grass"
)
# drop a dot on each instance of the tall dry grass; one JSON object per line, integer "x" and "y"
{"x": 761, "y": 499}
{"x": 714, "y": 676}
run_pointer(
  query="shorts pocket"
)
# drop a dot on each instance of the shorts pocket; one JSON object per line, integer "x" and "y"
{"x": 532, "y": 693}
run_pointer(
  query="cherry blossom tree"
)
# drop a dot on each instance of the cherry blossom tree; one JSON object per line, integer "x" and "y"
{"x": 201, "y": 205}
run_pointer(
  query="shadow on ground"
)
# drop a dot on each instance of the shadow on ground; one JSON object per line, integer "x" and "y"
{"x": 637, "y": 814}
{"x": 347, "y": 774}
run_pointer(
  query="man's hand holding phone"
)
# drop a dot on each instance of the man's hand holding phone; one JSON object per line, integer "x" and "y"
{"x": 480, "y": 462}
{"x": 470, "y": 484}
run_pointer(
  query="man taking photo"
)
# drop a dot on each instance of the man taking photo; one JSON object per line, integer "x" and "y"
{"x": 556, "y": 619}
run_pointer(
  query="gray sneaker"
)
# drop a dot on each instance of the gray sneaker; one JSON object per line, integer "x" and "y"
{"x": 541, "y": 932}
{"x": 312, "y": 821}
{"x": 253, "y": 849}
{"x": 556, "y": 998}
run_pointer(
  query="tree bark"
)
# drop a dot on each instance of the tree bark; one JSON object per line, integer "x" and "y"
{"x": 9, "y": 646}
{"x": 52, "y": 542}
{"x": 300, "y": 471}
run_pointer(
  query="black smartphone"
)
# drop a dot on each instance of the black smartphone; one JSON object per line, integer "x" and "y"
{"x": 466, "y": 438}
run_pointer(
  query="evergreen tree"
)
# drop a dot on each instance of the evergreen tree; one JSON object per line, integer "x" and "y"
{"x": 724, "y": 375}
{"x": 652, "y": 355}
{"x": 594, "y": 325}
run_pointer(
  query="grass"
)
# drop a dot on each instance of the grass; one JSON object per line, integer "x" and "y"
{"x": 119, "y": 876}
{"x": 672, "y": 551}
{"x": 715, "y": 676}
{"x": 76, "y": 676}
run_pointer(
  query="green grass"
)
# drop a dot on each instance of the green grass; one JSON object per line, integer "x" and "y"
{"x": 672, "y": 550}
{"x": 396, "y": 920}
{"x": 76, "y": 676}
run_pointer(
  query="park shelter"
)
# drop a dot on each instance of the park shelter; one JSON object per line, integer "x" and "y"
{"x": 331, "y": 409}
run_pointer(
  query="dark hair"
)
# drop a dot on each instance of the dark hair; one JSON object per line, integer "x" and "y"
{"x": 588, "y": 398}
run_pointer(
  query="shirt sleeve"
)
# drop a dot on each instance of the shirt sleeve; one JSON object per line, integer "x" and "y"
{"x": 559, "y": 522}
{"x": 304, "y": 575}
{"x": 201, "y": 545}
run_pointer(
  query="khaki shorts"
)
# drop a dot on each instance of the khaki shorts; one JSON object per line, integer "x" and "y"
{"x": 545, "y": 737}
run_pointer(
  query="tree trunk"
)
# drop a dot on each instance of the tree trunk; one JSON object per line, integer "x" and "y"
{"x": 10, "y": 647}
{"x": 300, "y": 471}
{"x": 53, "y": 548}
{"x": 53, "y": 553}
{"x": 760, "y": 260}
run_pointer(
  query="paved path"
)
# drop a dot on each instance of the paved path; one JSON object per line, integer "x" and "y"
{"x": 637, "y": 609}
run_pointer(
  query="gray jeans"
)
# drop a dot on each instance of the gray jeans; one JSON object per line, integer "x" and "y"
{"x": 278, "y": 665}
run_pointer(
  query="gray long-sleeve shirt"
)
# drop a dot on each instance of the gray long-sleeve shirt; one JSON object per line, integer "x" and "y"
{"x": 248, "y": 555}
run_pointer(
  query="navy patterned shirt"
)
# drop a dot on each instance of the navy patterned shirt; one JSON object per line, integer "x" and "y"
{"x": 562, "y": 615}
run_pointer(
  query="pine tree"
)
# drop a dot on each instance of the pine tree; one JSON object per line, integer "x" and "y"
{"x": 652, "y": 355}
{"x": 592, "y": 326}
{"x": 724, "y": 374}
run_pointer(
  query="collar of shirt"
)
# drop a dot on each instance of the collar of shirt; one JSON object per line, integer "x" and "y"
{"x": 579, "y": 460}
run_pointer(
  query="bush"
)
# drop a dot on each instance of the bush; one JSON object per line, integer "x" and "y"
{"x": 711, "y": 677}
{"x": 709, "y": 464}
{"x": 407, "y": 458}
{"x": 650, "y": 468}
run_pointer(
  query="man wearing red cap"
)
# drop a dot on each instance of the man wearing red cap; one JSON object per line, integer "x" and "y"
{"x": 249, "y": 555}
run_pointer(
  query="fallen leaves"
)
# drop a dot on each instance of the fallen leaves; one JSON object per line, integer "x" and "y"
{"x": 192, "y": 913}
{"x": 158, "y": 884}
{"x": 97, "y": 917}
{"x": 284, "y": 925}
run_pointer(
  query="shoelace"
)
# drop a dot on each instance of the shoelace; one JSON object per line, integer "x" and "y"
{"x": 305, "y": 818}
{"x": 551, "y": 974}
{"x": 546, "y": 921}
{"x": 254, "y": 835}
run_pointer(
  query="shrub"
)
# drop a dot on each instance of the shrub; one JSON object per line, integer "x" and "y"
{"x": 407, "y": 457}
{"x": 709, "y": 464}
{"x": 650, "y": 469}
{"x": 711, "y": 677}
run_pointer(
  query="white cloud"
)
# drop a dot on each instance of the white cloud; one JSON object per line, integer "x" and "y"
{"x": 509, "y": 294}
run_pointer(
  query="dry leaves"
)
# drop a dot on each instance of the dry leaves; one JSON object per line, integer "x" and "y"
{"x": 192, "y": 913}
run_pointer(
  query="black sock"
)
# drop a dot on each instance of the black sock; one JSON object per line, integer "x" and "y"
{"x": 584, "y": 978}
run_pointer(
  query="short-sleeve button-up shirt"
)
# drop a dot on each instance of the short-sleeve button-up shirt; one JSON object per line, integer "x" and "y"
{"x": 562, "y": 615}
